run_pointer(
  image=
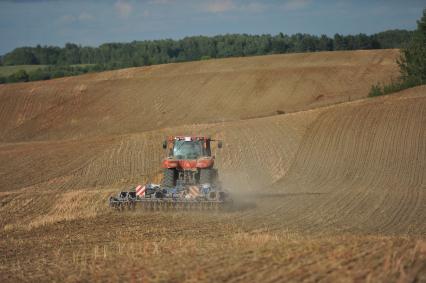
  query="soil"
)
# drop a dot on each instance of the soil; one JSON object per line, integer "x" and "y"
{"x": 329, "y": 185}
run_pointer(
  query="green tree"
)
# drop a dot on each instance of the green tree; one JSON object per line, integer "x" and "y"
{"x": 340, "y": 43}
{"x": 412, "y": 63}
{"x": 19, "y": 76}
{"x": 413, "y": 58}
{"x": 325, "y": 43}
{"x": 20, "y": 56}
{"x": 39, "y": 75}
{"x": 392, "y": 38}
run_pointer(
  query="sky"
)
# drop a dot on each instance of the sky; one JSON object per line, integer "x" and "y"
{"x": 93, "y": 22}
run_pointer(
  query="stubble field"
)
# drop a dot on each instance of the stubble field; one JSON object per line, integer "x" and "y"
{"x": 328, "y": 184}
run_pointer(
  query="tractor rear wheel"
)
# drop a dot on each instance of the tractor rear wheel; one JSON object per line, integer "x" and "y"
{"x": 169, "y": 178}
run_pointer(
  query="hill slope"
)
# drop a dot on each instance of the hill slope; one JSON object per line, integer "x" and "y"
{"x": 141, "y": 99}
{"x": 332, "y": 193}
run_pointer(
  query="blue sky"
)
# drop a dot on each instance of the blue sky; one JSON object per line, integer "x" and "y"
{"x": 55, "y": 22}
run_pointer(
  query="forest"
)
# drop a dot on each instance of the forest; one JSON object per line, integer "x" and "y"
{"x": 73, "y": 59}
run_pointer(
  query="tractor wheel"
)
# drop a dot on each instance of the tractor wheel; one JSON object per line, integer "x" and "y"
{"x": 169, "y": 178}
{"x": 206, "y": 176}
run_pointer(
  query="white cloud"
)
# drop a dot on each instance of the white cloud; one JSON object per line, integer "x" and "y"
{"x": 292, "y": 5}
{"x": 220, "y": 6}
{"x": 123, "y": 8}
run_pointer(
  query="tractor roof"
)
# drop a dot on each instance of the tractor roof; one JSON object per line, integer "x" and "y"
{"x": 188, "y": 138}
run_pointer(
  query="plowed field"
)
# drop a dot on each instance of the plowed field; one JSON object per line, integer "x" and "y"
{"x": 328, "y": 185}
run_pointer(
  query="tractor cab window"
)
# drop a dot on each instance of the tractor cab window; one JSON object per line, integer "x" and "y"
{"x": 187, "y": 149}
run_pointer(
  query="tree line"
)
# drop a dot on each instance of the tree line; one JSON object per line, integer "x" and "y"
{"x": 73, "y": 59}
{"x": 412, "y": 63}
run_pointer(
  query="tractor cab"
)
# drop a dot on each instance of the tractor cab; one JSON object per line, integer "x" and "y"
{"x": 189, "y": 159}
{"x": 188, "y": 148}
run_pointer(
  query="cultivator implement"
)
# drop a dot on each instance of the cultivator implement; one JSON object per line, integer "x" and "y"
{"x": 155, "y": 198}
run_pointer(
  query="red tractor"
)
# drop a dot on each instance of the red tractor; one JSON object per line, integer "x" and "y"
{"x": 189, "y": 180}
{"x": 189, "y": 161}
